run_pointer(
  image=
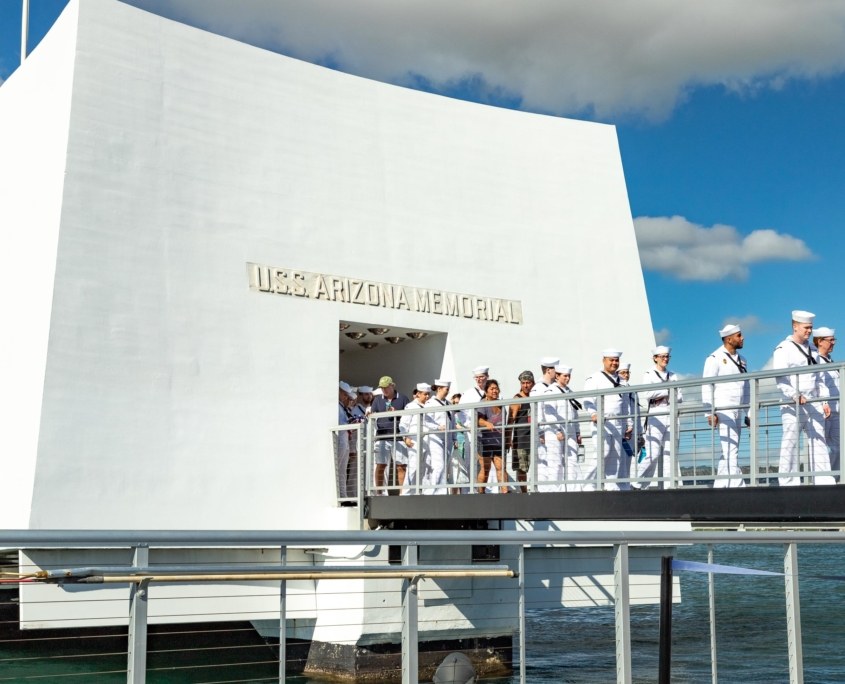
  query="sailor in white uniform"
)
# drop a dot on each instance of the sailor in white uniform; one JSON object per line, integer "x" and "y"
{"x": 658, "y": 459}
{"x": 633, "y": 409}
{"x": 561, "y": 436}
{"x": 801, "y": 410}
{"x": 439, "y": 427}
{"x": 726, "y": 403}
{"x": 825, "y": 339}
{"x": 618, "y": 422}
{"x": 547, "y": 378}
{"x": 409, "y": 426}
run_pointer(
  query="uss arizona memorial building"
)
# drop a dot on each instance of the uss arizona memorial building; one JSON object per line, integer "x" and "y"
{"x": 189, "y": 221}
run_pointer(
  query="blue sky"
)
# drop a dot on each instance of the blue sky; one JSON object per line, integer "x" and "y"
{"x": 729, "y": 116}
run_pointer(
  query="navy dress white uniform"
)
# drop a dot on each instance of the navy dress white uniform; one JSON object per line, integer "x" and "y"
{"x": 547, "y": 375}
{"x": 440, "y": 432}
{"x": 560, "y": 434}
{"x": 412, "y": 427}
{"x": 825, "y": 338}
{"x": 658, "y": 459}
{"x": 728, "y": 403}
{"x": 801, "y": 411}
{"x": 618, "y": 422}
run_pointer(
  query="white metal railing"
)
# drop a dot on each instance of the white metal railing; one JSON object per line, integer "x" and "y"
{"x": 686, "y": 450}
{"x": 521, "y": 576}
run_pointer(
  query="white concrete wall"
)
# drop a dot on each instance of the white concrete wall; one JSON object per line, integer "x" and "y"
{"x": 34, "y": 110}
{"x": 175, "y": 396}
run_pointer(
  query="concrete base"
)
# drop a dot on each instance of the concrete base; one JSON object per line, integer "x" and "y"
{"x": 382, "y": 663}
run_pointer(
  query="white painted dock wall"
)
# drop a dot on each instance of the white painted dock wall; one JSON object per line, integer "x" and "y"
{"x": 176, "y": 397}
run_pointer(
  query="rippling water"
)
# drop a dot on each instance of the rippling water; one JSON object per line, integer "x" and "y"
{"x": 577, "y": 645}
{"x": 566, "y": 645}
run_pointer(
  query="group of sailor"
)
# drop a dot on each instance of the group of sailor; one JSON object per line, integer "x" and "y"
{"x": 431, "y": 453}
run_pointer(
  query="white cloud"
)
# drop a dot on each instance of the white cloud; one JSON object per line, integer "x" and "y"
{"x": 558, "y": 56}
{"x": 688, "y": 251}
{"x": 749, "y": 324}
{"x": 662, "y": 336}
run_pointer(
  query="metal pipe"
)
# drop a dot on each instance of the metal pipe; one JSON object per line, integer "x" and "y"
{"x": 68, "y": 539}
{"x": 277, "y": 576}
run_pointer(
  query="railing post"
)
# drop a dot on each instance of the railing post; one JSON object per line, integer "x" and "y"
{"x": 622, "y": 612}
{"x": 472, "y": 461}
{"x": 675, "y": 479}
{"x": 600, "y": 442}
{"x": 711, "y": 595}
{"x": 136, "y": 662}
{"x": 535, "y": 444}
{"x": 283, "y": 645}
{"x": 753, "y": 466}
{"x": 793, "y": 614}
{"x": 521, "y": 614}
{"x": 410, "y": 608}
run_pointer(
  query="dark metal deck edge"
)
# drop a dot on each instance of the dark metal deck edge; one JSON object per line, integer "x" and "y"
{"x": 758, "y": 504}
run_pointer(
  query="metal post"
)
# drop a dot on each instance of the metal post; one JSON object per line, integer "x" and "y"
{"x": 136, "y": 651}
{"x": 600, "y": 442}
{"x": 283, "y": 646}
{"x": 665, "y": 651}
{"x": 369, "y": 470}
{"x": 711, "y": 593}
{"x": 521, "y": 615}
{"x": 754, "y": 467}
{"x": 535, "y": 443}
{"x": 793, "y": 614}
{"x": 472, "y": 462}
{"x": 24, "y": 28}
{"x": 674, "y": 426}
{"x": 622, "y": 612}
{"x": 410, "y": 609}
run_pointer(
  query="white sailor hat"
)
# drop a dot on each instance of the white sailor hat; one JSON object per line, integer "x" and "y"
{"x": 611, "y": 353}
{"x": 624, "y": 366}
{"x": 481, "y": 370}
{"x": 365, "y": 389}
{"x": 549, "y": 362}
{"x": 661, "y": 349}
{"x": 729, "y": 329}
{"x": 442, "y": 383}
{"x": 824, "y": 332}
{"x": 423, "y": 387}
{"x": 345, "y": 387}
{"x": 803, "y": 316}
{"x": 561, "y": 368}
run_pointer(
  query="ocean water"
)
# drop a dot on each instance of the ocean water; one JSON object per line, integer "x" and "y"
{"x": 562, "y": 645}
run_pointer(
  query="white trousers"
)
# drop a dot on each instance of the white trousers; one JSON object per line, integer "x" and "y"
{"x": 658, "y": 456}
{"x": 616, "y": 461}
{"x": 730, "y": 427}
{"x": 435, "y": 472}
{"x": 571, "y": 467}
{"x": 550, "y": 463}
{"x": 810, "y": 421}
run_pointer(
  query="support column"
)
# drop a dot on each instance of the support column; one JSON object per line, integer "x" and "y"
{"x": 711, "y": 594}
{"x": 283, "y": 647}
{"x": 793, "y": 614}
{"x": 136, "y": 664}
{"x": 410, "y": 614}
{"x": 521, "y": 615}
{"x": 622, "y": 611}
